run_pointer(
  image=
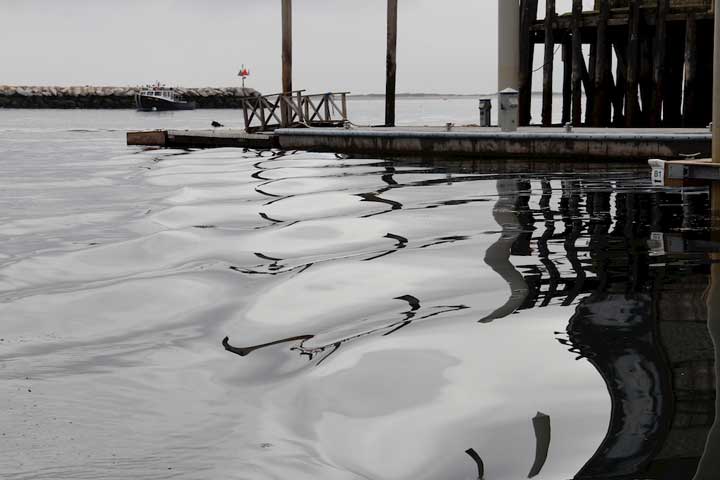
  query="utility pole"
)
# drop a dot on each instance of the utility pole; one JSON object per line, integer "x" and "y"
{"x": 391, "y": 62}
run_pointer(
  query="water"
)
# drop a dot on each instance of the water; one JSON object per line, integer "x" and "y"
{"x": 413, "y": 311}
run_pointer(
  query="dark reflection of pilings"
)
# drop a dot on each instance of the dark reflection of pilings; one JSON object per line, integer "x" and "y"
{"x": 478, "y": 461}
{"x": 497, "y": 255}
{"x": 709, "y": 466}
{"x": 639, "y": 320}
{"x": 541, "y": 425}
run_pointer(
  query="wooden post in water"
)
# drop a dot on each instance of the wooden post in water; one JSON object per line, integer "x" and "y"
{"x": 548, "y": 65}
{"x": 391, "y": 62}
{"x": 601, "y": 104}
{"x": 567, "y": 82}
{"x": 577, "y": 60}
{"x": 716, "y": 94}
{"x": 618, "y": 90}
{"x": 659, "y": 63}
{"x": 286, "y": 58}
{"x": 528, "y": 16}
{"x": 589, "y": 82}
{"x": 632, "y": 104}
{"x": 689, "y": 110}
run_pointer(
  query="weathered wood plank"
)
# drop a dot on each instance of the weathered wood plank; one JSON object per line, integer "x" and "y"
{"x": 589, "y": 20}
{"x": 155, "y": 138}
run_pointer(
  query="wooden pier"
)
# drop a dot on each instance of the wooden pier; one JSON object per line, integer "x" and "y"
{"x": 530, "y": 143}
{"x": 635, "y": 63}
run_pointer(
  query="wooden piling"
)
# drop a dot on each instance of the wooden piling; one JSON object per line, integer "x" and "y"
{"x": 391, "y": 62}
{"x": 673, "y": 84}
{"x": 601, "y": 94}
{"x": 528, "y": 16}
{"x": 589, "y": 82}
{"x": 690, "y": 68}
{"x": 567, "y": 82}
{"x": 632, "y": 104}
{"x": 646, "y": 79}
{"x": 577, "y": 58}
{"x": 655, "y": 117}
{"x": 548, "y": 65}
{"x": 286, "y": 57}
{"x": 618, "y": 89}
{"x": 716, "y": 96}
{"x": 662, "y": 69}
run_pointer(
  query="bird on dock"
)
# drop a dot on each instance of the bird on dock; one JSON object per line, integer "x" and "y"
{"x": 216, "y": 124}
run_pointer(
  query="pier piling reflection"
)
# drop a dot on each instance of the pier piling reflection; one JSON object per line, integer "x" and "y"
{"x": 640, "y": 309}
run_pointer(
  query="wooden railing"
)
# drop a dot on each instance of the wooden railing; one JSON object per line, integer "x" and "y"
{"x": 281, "y": 110}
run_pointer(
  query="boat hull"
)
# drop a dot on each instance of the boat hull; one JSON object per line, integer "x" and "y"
{"x": 151, "y": 104}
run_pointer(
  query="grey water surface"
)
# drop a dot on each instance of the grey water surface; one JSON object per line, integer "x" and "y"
{"x": 384, "y": 319}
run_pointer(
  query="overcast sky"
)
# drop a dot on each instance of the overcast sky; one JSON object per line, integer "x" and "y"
{"x": 444, "y": 46}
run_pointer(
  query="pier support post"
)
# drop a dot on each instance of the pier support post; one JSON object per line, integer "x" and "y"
{"x": 674, "y": 69}
{"x": 716, "y": 91}
{"x": 528, "y": 16}
{"x": 286, "y": 58}
{"x": 577, "y": 61}
{"x": 689, "y": 111}
{"x": 618, "y": 89}
{"x": 659, "y": 62}
{"x": 632, "y": 104}
{"x": 548, "y": 66}
{"x": 601, "y": 70}
{"x": 391, "y": 62}
{"x": 508, "y": 44}
{"x": 567, "y": 82}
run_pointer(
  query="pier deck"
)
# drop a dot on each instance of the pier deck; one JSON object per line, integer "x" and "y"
{"x": 527, "y": 143}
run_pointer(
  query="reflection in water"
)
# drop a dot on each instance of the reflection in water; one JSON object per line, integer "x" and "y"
{"x": 498, "y": 255}
{"x": 640, "y": 316}
{"x": 480, "y": 465}
{"x": 641, "y": 323}
{"x": 541, "y": 425}
{"x": 311, "y": 352}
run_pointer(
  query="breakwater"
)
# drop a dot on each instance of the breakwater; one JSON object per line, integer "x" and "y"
{"x": 112, "y": 97}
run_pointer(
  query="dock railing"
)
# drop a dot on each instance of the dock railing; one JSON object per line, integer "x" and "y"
{"x": 280, "y": 110}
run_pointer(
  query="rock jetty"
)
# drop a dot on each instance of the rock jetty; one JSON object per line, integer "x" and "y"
{"x": 112, "y": 97}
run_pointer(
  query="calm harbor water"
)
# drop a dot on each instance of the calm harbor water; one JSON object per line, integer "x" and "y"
{"x": 385, "y": 320}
